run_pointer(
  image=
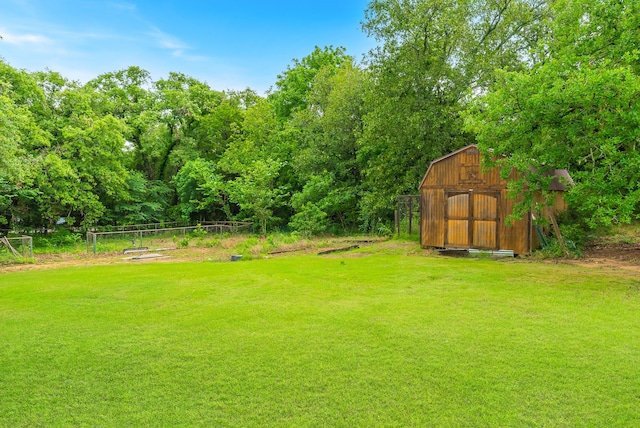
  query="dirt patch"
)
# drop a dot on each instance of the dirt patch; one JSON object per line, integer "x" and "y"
{"x": 219, "y": 251}
{"x": 619, "y": 252}
{"x": 619, "y": 256}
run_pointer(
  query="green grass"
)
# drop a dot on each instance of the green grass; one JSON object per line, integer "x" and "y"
{"x": 383, "y": 340}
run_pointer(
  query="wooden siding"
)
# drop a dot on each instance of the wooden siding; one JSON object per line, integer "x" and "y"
{"x": 464, "y": 206}
{"x": 461, "y": 171}
{"x": 432, "y": 218}
{"x": 517, "y": 235}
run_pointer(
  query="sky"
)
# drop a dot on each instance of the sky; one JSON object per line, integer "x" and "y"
{"x": 229, "y": 44}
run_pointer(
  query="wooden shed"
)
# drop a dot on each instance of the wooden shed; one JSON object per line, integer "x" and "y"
{"x": 464, "y": 207}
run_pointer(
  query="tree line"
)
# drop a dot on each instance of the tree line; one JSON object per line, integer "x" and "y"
{"x": 537, "y": 84}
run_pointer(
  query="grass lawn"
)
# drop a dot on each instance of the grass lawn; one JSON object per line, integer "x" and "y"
{"x": 378, "y": 340}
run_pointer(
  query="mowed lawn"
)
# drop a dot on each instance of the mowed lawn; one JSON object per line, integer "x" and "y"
{"x": 379, "y": 340}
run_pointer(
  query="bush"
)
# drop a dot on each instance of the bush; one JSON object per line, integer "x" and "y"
{"x": 199, "y": 232}
{"x": 60, "y": 239}
{"x": 182, "y": 242}
{"x": 310, "y": 221}
{"x": 213, "y": 244}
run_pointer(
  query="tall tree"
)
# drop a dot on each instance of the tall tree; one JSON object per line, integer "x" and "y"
{"x": 255, "y": 164}
{"x": 87, "y": 157}
{"x": 432, "y": 55}
{"x": 326, "y": 157}
{"x": 183, "y": 101}
{"x": 577, "y": 108}
{"x": 200, "y": 192}
{"x": 256, "y": 192}
{"x": 126, "y": 94}
{"x": 294, "y": 84}
{"x": 19, "y": 137}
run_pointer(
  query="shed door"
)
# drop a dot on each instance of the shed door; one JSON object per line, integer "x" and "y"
{"x": 471, "y": 220}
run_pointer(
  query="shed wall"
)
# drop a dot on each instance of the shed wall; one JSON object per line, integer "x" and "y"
{"x": 464, "y": 206}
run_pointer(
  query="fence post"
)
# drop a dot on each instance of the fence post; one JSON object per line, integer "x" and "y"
{"x": 410, "y": 216}
{"x": 396, "y": 215}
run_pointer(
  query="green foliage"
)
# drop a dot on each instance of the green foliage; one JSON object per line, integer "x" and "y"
{"x": 291, "y": 238}
{"x": 542, "y": 84}
{"x": 257, "y": 193}
{"x": 432, "y": 53}
{"x": 246, "y": 248}
{"x": 60, "y": 240}
{"x": 309, "y": 220}
{"x": 200, "y": 191}
{"x": 384, "y": 229}
{"x": 64, "y": 237}
{"x": 294, "y": 84}
{"x": 326, "y": 155}
{"x": 215, "y": 243}
{"x": 199, "y": 232}
{"x": 181, "y": 242}
{"x": 576, "y": 109}
{"x": 144, "y": 202}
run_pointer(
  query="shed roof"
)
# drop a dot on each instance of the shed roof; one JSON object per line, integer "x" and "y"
{"x": 475, "y": 146}
{"x": 560, "y": 181}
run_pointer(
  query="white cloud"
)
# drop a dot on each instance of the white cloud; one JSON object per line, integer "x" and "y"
{"x": 178, "y": 48}
{"x": 179, "y": 53}
{"x": 127, "y": 7}
{"x": 24, "y": 39}
{"x": 167, "y": 41}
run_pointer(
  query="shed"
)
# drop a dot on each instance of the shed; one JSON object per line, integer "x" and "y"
{"x": 465, "y": 207}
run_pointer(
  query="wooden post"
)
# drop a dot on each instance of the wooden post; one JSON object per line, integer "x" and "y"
{"x": 397, "y": 219}
{"x": 556, "y": 229}
{"x": 410, "y": 215}
{"x": 6, "y": 242}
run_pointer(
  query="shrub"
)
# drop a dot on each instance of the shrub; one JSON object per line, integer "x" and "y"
{"x": 199, "y": 232}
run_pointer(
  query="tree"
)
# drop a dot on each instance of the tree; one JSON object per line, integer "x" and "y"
{"x": 16, "y": 124}
{"x": 432, "y": 55}
{"x": 146, "y": 201}
{"x": 295, "y": 83}
{"x": 81, "y": 169}
{"x": 126, "y": 94}
{"x": 577, "y": 109}
{"x": 183, "y": 102}
{"x": 326, "y": 155}
{"x": 200, "y": 191}
{"x": 20, "y": 139}
{"x": 256, "y": 192}
{"x": 255, "y": 167}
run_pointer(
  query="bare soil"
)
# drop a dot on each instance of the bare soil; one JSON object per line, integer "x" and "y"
{"x": 201, "y": 253}
{"x": 616, "y": 256}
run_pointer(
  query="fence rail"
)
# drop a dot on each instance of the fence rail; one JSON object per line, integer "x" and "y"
{"x": 25, "y": 245}
{"x": 209, "y": 227}
{"x": 408, "y": 214}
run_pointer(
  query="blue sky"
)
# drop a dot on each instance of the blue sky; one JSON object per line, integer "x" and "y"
{"x": 230, "y": 44}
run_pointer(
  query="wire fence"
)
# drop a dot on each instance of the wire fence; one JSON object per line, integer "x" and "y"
{"x": 133, "y": 238}
{"x": 20, "y": 246}
{"x": 109, "y": 228}
{"x": 407, "y": 216}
